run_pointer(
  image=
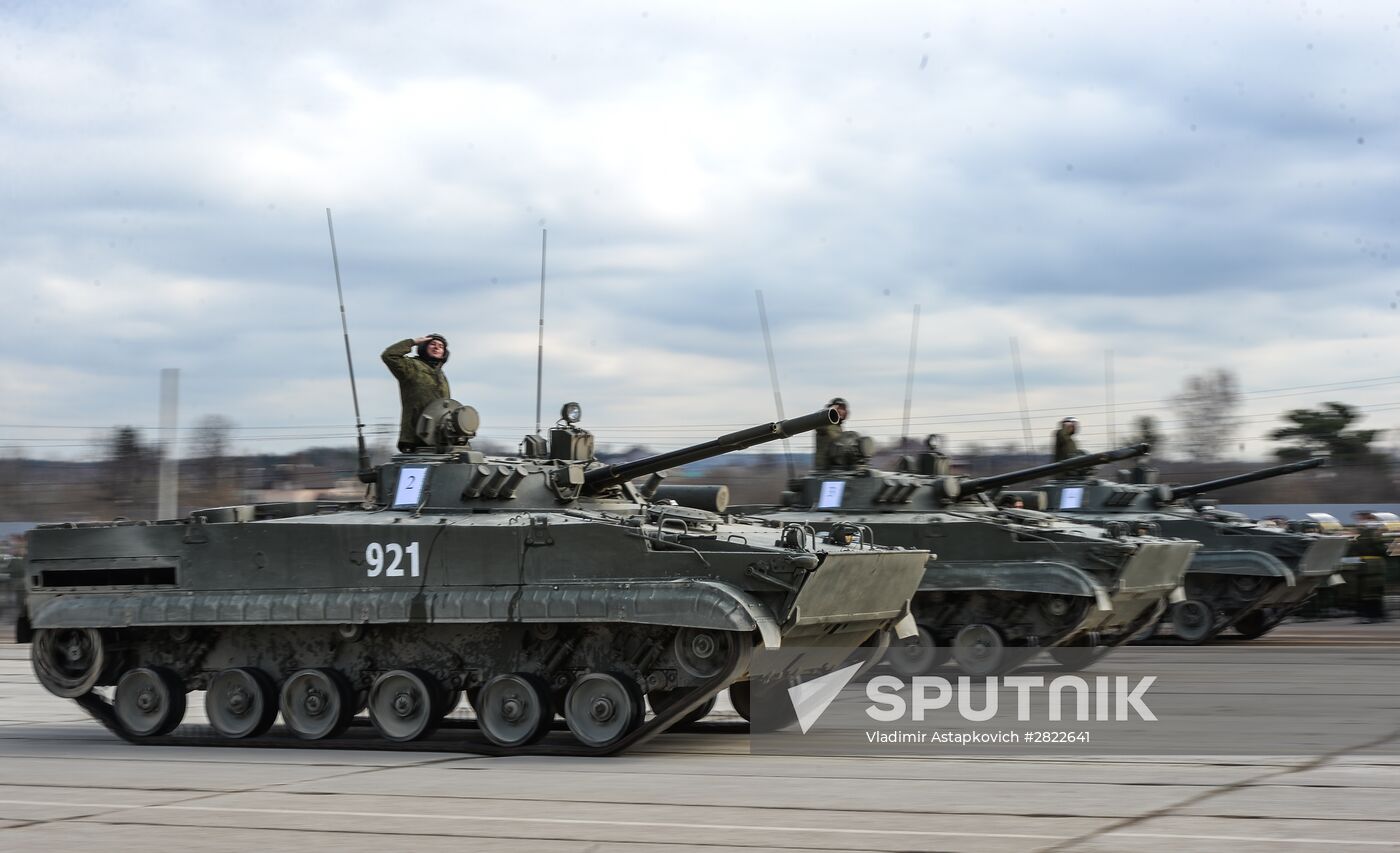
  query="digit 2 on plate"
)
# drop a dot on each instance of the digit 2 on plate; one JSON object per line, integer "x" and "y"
{"x": 377, "y": 554}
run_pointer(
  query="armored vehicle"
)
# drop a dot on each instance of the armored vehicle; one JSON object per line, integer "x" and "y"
{"x": 542, "y": 583}
{"x": 1246, "y": 575}
{"x": 1003, "y": 582}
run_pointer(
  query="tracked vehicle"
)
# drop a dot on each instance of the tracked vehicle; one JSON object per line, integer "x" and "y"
{"x": 1247, "y": 575}
{"x": 1003, "y": 583}
{"x": 540, "y": 584}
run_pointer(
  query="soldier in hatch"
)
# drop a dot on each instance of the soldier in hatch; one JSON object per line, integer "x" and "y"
{"x": 1065, "y": 445}
{"x": 826, "y": 434}
{"x": 421, "y": 380}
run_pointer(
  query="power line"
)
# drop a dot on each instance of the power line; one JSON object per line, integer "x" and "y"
{"x": 1291, "y": 390}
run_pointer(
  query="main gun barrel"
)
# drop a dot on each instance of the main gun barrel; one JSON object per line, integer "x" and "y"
{"x": 1179, "y": 492}
{"x": 611, "y": 475}
{"x": 1088, "y": 460}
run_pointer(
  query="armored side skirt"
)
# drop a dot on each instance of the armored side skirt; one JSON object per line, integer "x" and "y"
{"x": 696, "y": 604}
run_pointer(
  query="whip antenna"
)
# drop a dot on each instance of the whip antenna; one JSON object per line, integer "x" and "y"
{"x": 1021, "y": 393}
{"x": 909, "y": 382}
{"x": 1108, "y": 394}
{"x": 773, "y": 378}
{"x": 539, "y": 362}
{"x": 366, "y": 474}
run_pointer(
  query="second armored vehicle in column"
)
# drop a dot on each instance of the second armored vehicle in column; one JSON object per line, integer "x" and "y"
{"x": 1003, "y": 583}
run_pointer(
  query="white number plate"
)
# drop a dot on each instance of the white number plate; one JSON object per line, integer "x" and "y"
{"x": 410, "y": 488}
{"x": 388, "y": 559}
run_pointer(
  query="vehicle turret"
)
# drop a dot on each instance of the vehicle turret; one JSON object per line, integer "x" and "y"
{"x": 446, "y": 473}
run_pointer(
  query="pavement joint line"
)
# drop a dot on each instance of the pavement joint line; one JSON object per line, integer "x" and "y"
{"x": 612, "y": 844}
{"x": 112, "y": 809}
{"x": 1318, "y": 761}
{"x": 1255, "y": 838}
{"x": 781, "y": 777}
{"x": 279, "y": 789}
{"x": 756, "y": 807}
{"x": 196, "y": 797}
{"x": 551, "y": 821}
{"x": 146, "y": 759}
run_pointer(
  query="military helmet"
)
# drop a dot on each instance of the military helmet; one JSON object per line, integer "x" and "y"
{"x": 422, "y": 353}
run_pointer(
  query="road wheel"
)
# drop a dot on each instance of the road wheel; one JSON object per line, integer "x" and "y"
{"x": 149, "y": 702}
{"x": 702, "y": 654}
{"x": 916, "y": 655}
{"x": 68, "y": 661}
{"x": 1192, "y": 620}
{"x": 980, "y": 650}
{"x": 241, "y": 702}
{"x": 601, "y": 709}
{"x": 404, "y": 704}
{"x": 514, "y": 709}
{"x": 317, "y": 703}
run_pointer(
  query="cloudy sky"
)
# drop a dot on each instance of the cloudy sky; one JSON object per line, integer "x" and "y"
{"x": 1188, "y": 185}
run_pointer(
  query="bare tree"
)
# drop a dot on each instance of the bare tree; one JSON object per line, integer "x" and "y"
{"x": 210, "y": 437}
{"x": 129, "y": 469}
{"x": 213, "y": 474}
{"x": 1206, "y": 406}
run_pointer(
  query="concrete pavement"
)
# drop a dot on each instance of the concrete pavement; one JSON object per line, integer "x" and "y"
{"x": 66, "y": 784}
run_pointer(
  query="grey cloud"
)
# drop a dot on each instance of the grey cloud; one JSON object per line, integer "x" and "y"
{"x": 1088, "y": 180}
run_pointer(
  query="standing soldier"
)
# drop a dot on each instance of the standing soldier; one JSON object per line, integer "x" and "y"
{"x": 1065, "y": 445}
{"x": 826, "y": 434}
{"x": 421, "y": 381}
{"x": 1370, "y": 545}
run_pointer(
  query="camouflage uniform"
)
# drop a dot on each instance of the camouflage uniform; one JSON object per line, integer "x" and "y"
{"x": 1370, "y": 545}
{"x": 1065, "y": 445}
{"x": 420, "y": 383}
{"x": 826, "y": 435}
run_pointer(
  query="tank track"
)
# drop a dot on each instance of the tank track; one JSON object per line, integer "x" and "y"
{"x": 1217, "y": 592}
{"x": 279, "y": 737}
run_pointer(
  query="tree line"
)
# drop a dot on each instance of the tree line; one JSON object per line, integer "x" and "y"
{"x": 123, "y": 481}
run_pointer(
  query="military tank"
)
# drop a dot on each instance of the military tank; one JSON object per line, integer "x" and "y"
{"x": 1247, "y": 575}
{"x": 1005, "y": 582}
{"x": 540, "y": 584}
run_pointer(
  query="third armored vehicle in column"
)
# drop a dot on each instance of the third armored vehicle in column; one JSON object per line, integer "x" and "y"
{"x": 1247, "y": 575}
